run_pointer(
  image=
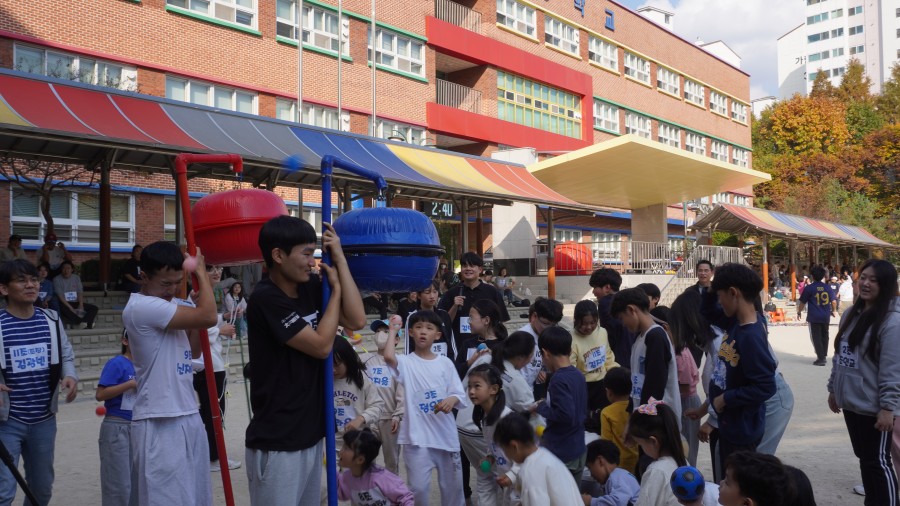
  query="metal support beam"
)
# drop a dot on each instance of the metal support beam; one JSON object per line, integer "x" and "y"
{"x": 479, "y": 232}
{"x": 551, "y": 258}
{"x": 105, "y": 223}
{"x": 464, "y": 226}
{"x": 765, "y": 267}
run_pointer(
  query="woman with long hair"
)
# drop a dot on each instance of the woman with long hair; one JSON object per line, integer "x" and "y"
{"x": 865, "y": 378}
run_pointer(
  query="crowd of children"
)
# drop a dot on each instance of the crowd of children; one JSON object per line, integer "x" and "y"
{"x": 545, "y": 416}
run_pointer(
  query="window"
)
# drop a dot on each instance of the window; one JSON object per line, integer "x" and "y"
{"x": 837, "y": 13}
{"x": 169, "y": 220}
{"x": 566, "y": 235}
{"x": 637, "y": 124}
{"x": 837, "y": 32}
{"x": 719, "y": 151}
{"x": 856, "y": 29}
{"x": 738, "y": 111}
{"x": 667, "y": 80}
{"x": 718, "y": 103}
{"x": 606, "y": 116}
{"x": 739, "y": 157}
{"x": 561, "y": 35}
{"x": 670, "y": 135}
{"x": 519, "y": 17}
{"x": 811, "y": 20}
{"x": 74, "y": 67}
{"x": 606, "y": 246}
{"x": 320, "y": 26}
{"x": 741, "y": 200}
{"x": 537, "y": 105}
{"x": 76, "y": 217}
{"x": 410, "y": 134}
{"x": 817, "y": 37}
{"x": 209, "y": 94}
{"x": 694, "y": 92}
{"x": 603, "y": 53}
{"x": 819, "y": 56}
{"x": 812, "y": 76}
{"x": 857, "y": 49}
{"x": 720, "y": 198}
{"x": 637, "y": 67}
{"x": 286, "y": 109}
{"x": 311, "y": 215}
{"x": 398, "y": 52}
{"x": 695, "y": 143}
{"x": 838, "y": 51}
{"x": 242, "y": 12}
{"x": 325, "y": 117}
{"x": 853, "y": 11}
{"x": 838, "y": 71}
{"x": 813, "y": 2}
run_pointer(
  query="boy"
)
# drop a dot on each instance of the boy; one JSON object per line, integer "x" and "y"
{"x": 605, "y": 283}
{"x": 653, "y": 370}
{"x": 543, "y": 314}
{"x": 391, "y": 392}
{"x": 744, "y": 374}
{"x": 433, "y": 389}
{"x": 822, "y": 303}
{"x": 754, "y": 479}
{"x": 614, "y": 418}
{"x": 542, "y": 478}
{"x": 565, "y": 406}
{"x": 40, "y": 359}
{"x": 289, "y": 339}
{"x": 691, "y": 489}
{"x": 620, "y": 488}
{"x": 652, "y": 291}
{"x": 165, "y": 414}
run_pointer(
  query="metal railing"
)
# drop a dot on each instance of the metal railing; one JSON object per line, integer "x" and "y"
{"x": 624, "y": 256}
{"x": 686, "y": 275}
{"x": 457, "y": 14}
{"x": 458, "y": 96}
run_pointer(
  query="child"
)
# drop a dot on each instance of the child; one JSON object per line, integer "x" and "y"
{"x": 755, "y": 479}
{"x": 446, "y": 345}
{"x": 391, "y": 393}
{"x": 691, "y": 489}
{"x": 620, "y": 488}
{"x": 356, "y": 401}
{"x": 744, "y": 374}
{"x": 236, "y": 307}
{"x": 290, "y": 339}
{"x": 654, "y": 427}
{"x": 510, "y": 357}
{"x": 165, "y": 413}
{"x": 653, "y": 370}
{"x": 591, "y": 354}
{"x": 485, "y": 388}
{"x": 542, "y": 479}
{"x": 117, "y": 389}
{"x": 684, "y": 335}
{"x": 487, "y": 329}
{"x": 432, "y": 389}
{"x": 565, "y": 406}
{"x": 363, "y": 483}
{"x": 614, "y": 418}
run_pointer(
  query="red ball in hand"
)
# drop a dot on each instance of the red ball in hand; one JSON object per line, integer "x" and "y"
{"x": 101, "y": 410}
{"x": 189, "y": 264}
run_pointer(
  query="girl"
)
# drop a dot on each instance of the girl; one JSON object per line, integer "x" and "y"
{"x": 505, "y": 283}
{"x": 685, "y": 329}
{"x": 864, "y": 380}
{"x": 46, "y": 298}
{"x": 356, "y": 401}
{"x": 363, "y": 482}
{"x": 509, "y": 357}
{"x": 487, "y": 328}
{"x": 654, "y": 427}
{"x": 592, "y": 355}
{"x": 235, "y": 307}
{"x": 118, "y": 389}
{"x": 428, "y": 299}
{"x": 485, "y": 388}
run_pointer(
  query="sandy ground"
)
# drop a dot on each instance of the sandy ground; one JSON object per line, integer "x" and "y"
{"x": 816, "y": 440}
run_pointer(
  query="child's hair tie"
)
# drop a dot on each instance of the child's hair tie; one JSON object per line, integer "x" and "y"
{"x": 650, "y": 407}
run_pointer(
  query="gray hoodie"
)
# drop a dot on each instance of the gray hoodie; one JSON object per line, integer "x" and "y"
{"x": 858, "y": 383}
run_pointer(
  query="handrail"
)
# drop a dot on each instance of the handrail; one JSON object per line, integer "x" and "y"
{"x": 457, "y": 14}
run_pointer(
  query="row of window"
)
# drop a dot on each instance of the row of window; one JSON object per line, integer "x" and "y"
{"x": 537, "y": 105}
{"x": 60, "y": 65}
{"x": 824, "y": 16}
{"x": 606, "y": 117}
{"x": 824, "y": 55}
{"x": 837, "y": 72}
{"x": 565, "y": 37}
{"x": 832, "y": 34}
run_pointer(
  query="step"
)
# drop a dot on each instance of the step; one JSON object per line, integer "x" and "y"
{"x": 113, "y": 299}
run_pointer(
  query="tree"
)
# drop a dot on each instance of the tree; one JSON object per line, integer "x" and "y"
{"x": 43, "y": 178}
{"x": 822, "y": 87}
{"x": 855, "y": 84}
{"x": 862, "y": 119}
{"x": 889, "y": 101}
{"x": 807, "y": 125}
{"x": 881, "y": 166}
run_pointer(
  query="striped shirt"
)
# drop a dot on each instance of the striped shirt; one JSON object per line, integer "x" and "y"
{"x": 26, "y": 346}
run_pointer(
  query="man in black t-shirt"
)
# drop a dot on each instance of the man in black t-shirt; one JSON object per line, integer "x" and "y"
{"x": 289, "y": 339}
{"x": 459, "y": 299}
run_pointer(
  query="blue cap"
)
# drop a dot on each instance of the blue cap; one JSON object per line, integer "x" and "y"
{"x": 378, "y": 324}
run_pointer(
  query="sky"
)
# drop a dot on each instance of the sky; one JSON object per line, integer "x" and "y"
{"x": 749, "y": 27}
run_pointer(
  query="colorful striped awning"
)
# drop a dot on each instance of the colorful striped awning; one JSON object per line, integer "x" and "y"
{"x": 54, "y": 118}
{"x": 739, "y": 219}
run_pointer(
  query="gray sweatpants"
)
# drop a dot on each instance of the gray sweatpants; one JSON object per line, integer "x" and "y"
{"x": 284, "y": 478}
{"x": 115, "y": 461}
{"x": 170, "y": 462}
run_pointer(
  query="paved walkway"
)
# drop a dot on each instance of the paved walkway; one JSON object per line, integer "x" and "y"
{"x": 816, "y": 440}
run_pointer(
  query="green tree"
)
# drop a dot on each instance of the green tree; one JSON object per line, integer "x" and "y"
{"x": 855, "y": 84}
{"x": 889, "y": 101}
{"x": 822, "y": 87}
{"x": 862, "y": 119}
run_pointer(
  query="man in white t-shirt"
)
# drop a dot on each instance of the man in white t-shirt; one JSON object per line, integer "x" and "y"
{"x": 169, "y": 451}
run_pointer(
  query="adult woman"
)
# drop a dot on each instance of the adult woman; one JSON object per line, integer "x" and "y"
{"x": 235, "y": 307}
{"x": 865, "y": 377}
{"x": 504, "y": 282}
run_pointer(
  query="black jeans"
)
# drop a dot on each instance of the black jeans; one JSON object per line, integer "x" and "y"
{"x": 205, "y": 411}
{"x": 873, "y": 449}
{"x": 818, "y": 334}
{"x": 726, "y": 448}
{"x": 90, "y": 314}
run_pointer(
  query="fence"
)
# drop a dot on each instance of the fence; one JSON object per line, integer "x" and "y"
{"x": 458, "y": 96}
{"x": 457, "y": 14}
{"x": 624, "y": 256}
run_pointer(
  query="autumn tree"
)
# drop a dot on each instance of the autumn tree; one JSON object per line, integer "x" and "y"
{"x": 889, "y": 101}
{"x": 822, "y": 87}
{"x": 862, "y": 119}
{"x": 855, "y": 84}
{"x": 807, "y": 125}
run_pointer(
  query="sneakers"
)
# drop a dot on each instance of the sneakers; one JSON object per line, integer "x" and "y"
{"x": 232, "y": 464}
{"x": 820, "y": 361}
{"x": 859, "y": 490}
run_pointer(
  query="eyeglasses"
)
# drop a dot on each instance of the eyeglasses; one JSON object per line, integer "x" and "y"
{"x": 213, "y": 268}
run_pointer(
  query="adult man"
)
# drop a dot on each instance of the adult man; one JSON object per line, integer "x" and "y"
{"x": 37, "y": 358}
{"x": 606, "y": 282}
{"x": 13, "y": 250}
{"x": 68, "y": 289}
{"x": 53, "y": 254}
{"x": 822, "y": 304}
{"x": 543, "y": 313}
{"x": 459, "y": 299}
{"x": 709, "y": 302}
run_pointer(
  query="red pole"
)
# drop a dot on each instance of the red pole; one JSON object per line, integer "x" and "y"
{"x": 181, "y": 163}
